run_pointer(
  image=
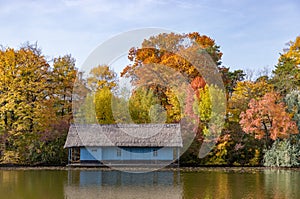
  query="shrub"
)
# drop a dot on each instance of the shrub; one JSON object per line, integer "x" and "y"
{"x": 282, "y": 154}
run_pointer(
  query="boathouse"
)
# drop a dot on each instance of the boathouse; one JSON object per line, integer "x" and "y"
{"x": 123, "y": 144}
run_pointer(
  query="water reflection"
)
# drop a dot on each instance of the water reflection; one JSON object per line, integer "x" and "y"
{"x": 276, "y": 184}
{"x": 89, "y": 184}
{"x": 32, "y": 184}
{"x": 117, "y": 184}
{"x": 282, "y": 183}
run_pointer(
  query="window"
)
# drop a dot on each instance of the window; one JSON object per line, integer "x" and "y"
{"x": 154, "y": 152}
{"x": 119, "y": 152}
{"x": 75, "y": 154}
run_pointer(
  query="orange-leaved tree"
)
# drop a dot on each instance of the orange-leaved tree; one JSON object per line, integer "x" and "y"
{"x": 168, "y": 58}
{"x": 267, "y": 118}
{"x": 243, "y": 92}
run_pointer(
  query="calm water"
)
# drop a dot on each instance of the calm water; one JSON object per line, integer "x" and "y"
{"x": 73, "y": 184}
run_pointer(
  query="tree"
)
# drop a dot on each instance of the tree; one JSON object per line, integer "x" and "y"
{"x": 63, "y": 76}
{"x": 103, "y": 106}
{"x": 282, "y": 154}
{"x": 85, "y": 113}
{"x": 243, "y": 93}
{"x": 286, "y": 76}
{"x": 287, "y": 73}
{"x": 266, "y": 118}
{"x": 234, "y": 147}
{"x": 60, "y": 81}
{"x": 35, "y": 109}
{"x": 292, "y": 101}
{"x": 231, "y": 78}
{"x": 95, "y": 96}
{"x": 23, "y": 98}
{"x": 210, "y": 108}
{"x": 175, "y": 111}
{"x": 140, "y": 104}
{"x": 293, "y": 52}
{"x": 102, "y": 77}
{"x": 120, "y": 109}
{"x": 168, "y": 49}
{"x": 166, "y": 57}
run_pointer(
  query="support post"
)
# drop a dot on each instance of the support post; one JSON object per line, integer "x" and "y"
{"x": 69, "y": 155}
{"x": 178, "y": 155}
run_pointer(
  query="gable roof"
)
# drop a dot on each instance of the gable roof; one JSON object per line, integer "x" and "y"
{"x": 124, "y": 135}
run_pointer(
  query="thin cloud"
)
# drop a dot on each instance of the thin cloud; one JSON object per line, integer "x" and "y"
{"x": 241, "y": 28}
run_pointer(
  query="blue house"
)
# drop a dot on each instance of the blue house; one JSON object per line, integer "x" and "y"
{"x": 123, "y": 144}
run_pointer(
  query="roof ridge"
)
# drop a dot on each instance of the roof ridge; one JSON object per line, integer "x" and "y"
{"x": 149, "y": 125}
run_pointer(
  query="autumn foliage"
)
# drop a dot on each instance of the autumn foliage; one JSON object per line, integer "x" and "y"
{"x": 267, "y": 118}
{"x": 35, "y": 105}
{"x": 246, "y": 121}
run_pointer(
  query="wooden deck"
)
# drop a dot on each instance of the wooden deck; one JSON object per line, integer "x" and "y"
{"x": 124, "y": 163}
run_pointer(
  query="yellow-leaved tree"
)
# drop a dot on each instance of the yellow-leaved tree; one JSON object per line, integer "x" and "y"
{"x": 23, "y": 96}
{"x": 287, "y": 72}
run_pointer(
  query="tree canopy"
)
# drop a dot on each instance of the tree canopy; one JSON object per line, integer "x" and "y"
{"x": 287, "y": 71}
{"x": 34, "y": 98}
{"x": 239, "y": 121}
{"x": 267, "y": 118}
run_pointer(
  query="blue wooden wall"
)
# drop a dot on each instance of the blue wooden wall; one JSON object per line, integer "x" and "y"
{"x": 91, "y": 153}
{"x": 128, "y": 153}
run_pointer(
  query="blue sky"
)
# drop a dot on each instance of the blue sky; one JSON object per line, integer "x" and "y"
{"x": 251, "y": 33}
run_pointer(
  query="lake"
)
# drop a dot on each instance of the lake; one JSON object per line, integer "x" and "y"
{"x": 96, "y": 183}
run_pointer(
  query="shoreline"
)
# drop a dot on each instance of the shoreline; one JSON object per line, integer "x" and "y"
{"x": 181, "y": 169}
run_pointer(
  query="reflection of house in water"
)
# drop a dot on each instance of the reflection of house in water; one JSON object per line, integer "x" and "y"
{"x": 117, "y": 184}
{"x": 123, "y": 144}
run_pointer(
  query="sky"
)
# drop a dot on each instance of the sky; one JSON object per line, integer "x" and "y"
{"x": 250, "y": 33}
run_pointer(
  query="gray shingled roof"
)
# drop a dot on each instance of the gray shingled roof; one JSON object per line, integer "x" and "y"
{"x": 138, "y": 135}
